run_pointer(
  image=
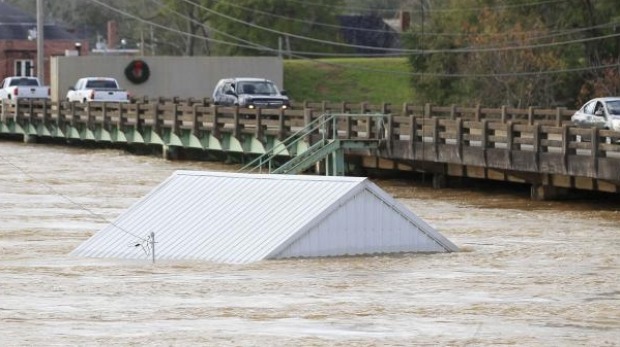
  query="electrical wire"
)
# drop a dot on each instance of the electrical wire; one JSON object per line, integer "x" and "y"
{"x": 478, "y": 75}
{"x": 299, "y": 20}
{"x": 340, "y": 27}
{"x": 273, "y": 50}
{"x": 446, "y": 75}
{"x": 73, "y": 202}
{"x": 160, "y": 26}
{"x": 301, "y": 37}
{"x": 471, "y": 9}
{"x": 301, "y": 56}
{"x": 528, "y": 39}
{"x": 249, "y": 43}
{"x": 382, "y": 49}
{"x": 399, "y": 50}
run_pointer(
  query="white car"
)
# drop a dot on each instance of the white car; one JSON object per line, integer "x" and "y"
{"x": 603, "y": 113}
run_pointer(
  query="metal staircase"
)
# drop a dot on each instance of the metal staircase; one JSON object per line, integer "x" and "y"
{"x": 328, "y": 147}
{"x": 306, "y": 159}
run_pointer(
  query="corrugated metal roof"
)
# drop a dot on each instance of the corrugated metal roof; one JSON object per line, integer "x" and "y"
{"x": 241, "y": 218}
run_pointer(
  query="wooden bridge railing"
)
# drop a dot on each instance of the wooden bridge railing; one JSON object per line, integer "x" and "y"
{"x": 503, "y": 126}
{"x": 514, "y": 146}
{"x": 196, "y": 115}
{"x": 531, "y": 140}
{"x": 531, "y": 115}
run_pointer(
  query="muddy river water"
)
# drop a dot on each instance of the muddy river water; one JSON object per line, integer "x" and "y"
{"x": 528, "y": 273}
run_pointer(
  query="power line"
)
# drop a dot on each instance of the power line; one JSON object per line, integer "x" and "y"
{"x": 65, "y": 197}
{"x": 160, "y": 26}
{"x": 301, "y": 37}
{"x": 550, "y": 34}
{"x": 476, "y": 75}
{"x": 249, "y": 43}
{"x": 266, "y": 48}
{"x": 546, "y": 36}
{"x": 299, "y": 20}
{"x": 461, "y": 34}
{"x": 472, "y": 9}
{"x": 382, "y": 49}
{"x": 342, "y": 7}
{"x": 294, "y": 54}
{"x": 399, "y": 50}
{"x": 301, "y": 55}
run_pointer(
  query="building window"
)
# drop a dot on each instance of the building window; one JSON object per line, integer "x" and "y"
{"x": 24, "y": 67}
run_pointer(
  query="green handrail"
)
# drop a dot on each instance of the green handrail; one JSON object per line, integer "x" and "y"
{"x": 290, "y": 141}
{"x": 317, "y": 124}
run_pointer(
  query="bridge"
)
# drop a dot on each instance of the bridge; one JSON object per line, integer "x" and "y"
{"x": 532, "y": 146}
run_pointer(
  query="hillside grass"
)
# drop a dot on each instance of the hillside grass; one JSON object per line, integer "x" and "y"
{"x": 372, "y": 80}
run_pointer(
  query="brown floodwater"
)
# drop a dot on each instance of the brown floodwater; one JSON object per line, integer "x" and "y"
{"x": 528, "y": 273}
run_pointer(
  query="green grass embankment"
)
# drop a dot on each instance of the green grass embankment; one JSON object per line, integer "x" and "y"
{"x": 373, "y": 80}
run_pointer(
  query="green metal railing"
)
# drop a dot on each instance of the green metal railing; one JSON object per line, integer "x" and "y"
{"x": 326, "y": 126}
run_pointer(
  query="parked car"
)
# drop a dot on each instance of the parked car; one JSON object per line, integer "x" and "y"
{"x": 18, "y": 87}
{"x": 603, "y": 113}
{"x": 249, "y": 92}
{"x": 97, "y": 89}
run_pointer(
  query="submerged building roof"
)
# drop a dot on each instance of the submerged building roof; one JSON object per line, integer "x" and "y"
{"x": 241, "y": 218}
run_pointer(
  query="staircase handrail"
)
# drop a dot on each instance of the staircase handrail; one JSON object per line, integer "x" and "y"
{"x": 288, "y": 143}
{"x": 319, "y": 123}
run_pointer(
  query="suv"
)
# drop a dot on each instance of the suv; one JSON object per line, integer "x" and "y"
{"x": 250, "y": 93}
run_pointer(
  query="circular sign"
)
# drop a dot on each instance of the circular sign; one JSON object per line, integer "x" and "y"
{"x": 137, "y": 71}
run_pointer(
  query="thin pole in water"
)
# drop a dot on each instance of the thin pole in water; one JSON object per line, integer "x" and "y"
{"x": 153, "y": 245}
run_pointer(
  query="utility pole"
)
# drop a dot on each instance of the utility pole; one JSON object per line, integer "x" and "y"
{"x": 422, "y": 14}
{"x": 40, "y": 52}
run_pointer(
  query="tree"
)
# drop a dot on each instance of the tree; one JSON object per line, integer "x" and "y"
{"x": 515, "y": 52}
{"x": 601, "y": 18}
{"x": 519, "y": 71}
{"x": 188, "y": 23}
{"x": 592, "y": 27}
{"x": 430, "y": 82}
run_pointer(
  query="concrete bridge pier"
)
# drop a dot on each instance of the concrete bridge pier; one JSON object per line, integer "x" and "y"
{"x": 30, "y": 138}
{"x": 170, "y": 153}
{"x": 355, "y": 166}
{"x": 541, "y": 192}
{"x": 440, "y": 181}
{"x": 320, "y": 167}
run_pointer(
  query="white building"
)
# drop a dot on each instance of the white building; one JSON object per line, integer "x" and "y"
{"x": 242, "y": 218}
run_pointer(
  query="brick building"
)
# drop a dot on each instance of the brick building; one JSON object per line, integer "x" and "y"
{"x": 18, "y": 44}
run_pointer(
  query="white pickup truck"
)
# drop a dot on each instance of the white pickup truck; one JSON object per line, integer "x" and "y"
{"x": 102, "y": 89}
{"x": 17, "y": 87}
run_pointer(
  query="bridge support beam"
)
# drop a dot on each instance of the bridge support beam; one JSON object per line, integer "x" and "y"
{"x": 336, "y": 166}
{"x": 30, "y": 138}
{"x": 541, "y": 192}
{"x": 170, "y": 153}
{"x": 440, "y": 181}
{"x": 320, "y": 167}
